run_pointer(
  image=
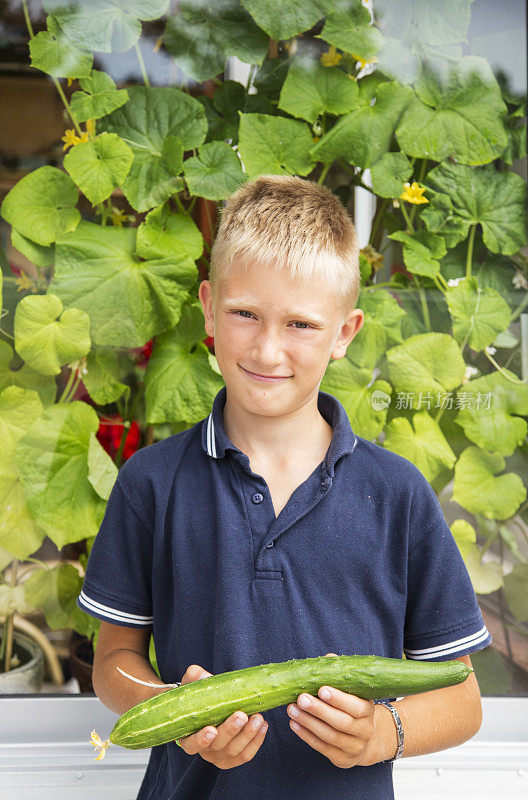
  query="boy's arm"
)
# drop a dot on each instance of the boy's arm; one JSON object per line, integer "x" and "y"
{"x": 431, "y": 721}
{"x": 126, "y": 648}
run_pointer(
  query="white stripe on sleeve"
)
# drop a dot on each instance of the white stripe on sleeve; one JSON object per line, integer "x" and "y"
{"x": 113, "y": 613}
{"x": 449, "y": 647}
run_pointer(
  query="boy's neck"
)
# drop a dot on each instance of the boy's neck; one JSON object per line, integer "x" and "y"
{"x": 283, "y": 440}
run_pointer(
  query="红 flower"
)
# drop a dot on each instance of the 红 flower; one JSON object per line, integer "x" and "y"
{"x": 330, "y": 58}
{"x": 412, "y": 193}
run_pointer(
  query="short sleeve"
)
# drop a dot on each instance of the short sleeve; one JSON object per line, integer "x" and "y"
{"x": 117, "y": 583}
{"x": 443, "y": 619}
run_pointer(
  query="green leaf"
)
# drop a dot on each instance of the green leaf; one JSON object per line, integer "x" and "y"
{"x": 382, "y": 325}
{"x": 46, "y": 342}
{"x": 101, "y": 380}
{"x": 478, "y": 314}
{"x": 19, "y": 533}
{"x": 41, "y": 205}
{"x": 202, "y": 35}
{"x": 215, "y": 173}
{"x": 52, "y": 460}
{"x": 52, "y": 52}
{"x": 440, "y": 217}
{"x": 311, "y": 89}
{"x": 491, "y": 411}
{"x": 478, "y": 487}
{"x": 128, "y": 300}
{"x": 25, "y": 377}
{"x": 282, "y": 20}
{"x": 495, "y": 200}
{"x": 274, "y": 145}
{"x": 13, "y": 598}
{"x": 102, "y": 472}
{"x": 515, "y": 590}
{"x": 424, "y": 444}
{"x": 109, "y": 26}
{"x": 421, "y": 251}
{"x": 464, "y": 535}
{"x": 159, "y": 124}
{"x": 390, "y": 173}
{"x": 457, "y": 113}
{"x": 179, "y": 383}
{"x": 99, "y": 166}
{"x": 426, "y": 364}
{"x": 442, "y": 22}
{"x": 39, "y": 255}
{"x": 54, "y": 591}
{"x": 485, "y": 577}
{"x": 364, "y": 134}
{"x": 99, "y": 97}
{"x": 163, "y": 234}
{"x": 350, "y": 30}
{"x": 357, "y": 392}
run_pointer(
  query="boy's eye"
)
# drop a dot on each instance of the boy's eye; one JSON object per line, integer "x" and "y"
{"x": 241, "y": 311}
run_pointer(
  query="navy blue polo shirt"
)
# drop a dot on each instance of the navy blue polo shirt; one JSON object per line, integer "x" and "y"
{"x": 359, "y": 561}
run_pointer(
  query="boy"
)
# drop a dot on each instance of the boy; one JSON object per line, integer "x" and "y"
{"x": 269, "y": 531}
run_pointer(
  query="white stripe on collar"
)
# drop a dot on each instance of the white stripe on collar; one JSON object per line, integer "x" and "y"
{"x": 211, "y": 444}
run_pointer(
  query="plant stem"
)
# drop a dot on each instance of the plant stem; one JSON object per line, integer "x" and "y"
{"x": 8, "y": 631}
{"x": 55, "y": 81}
{"x": 66, "y": 104}
{"x": 71, "y": 393}
{"x": 469, "y": 256}
{"x": 322, "y": 176}
{"x": 406, "y": 217}
{"x": 421, "y": 174}
{"x": 423, "y": 301}
{"x": 142, "y": 65}
{"x": 68, "y": 386}
{"x": 28, "y": 20}
{"x": 124, "y": 434}
{"x": 179, "y": 203}
{"x": 520, "y": 308}
{"x": 378, "y": 219}
{"x": 498, "y": 366}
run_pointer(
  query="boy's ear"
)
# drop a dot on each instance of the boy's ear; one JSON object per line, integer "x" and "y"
{"x": 206, "y": 298}
{"x": 350, "y": 328}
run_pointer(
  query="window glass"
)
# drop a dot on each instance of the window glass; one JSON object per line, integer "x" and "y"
{"x": 418, "y": 125}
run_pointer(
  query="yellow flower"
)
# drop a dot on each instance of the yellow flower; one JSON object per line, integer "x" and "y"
{"x": 69, "y": 138}
{"x": 374, "y": 258}
{"x": 330, "y": 58}
{"x": 117, "y": 216}
{"x": 413, "y": 193}
{"x": 364, "y": 61}
{"x": 70, "y": 81}
{"x": 24, "y": 282}
{"x": 90, "y": 126}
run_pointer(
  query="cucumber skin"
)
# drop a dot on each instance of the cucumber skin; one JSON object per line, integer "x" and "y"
{"x": 184, "y": 710}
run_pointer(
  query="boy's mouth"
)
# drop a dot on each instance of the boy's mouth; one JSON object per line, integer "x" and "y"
{"x": 265, "y": 378}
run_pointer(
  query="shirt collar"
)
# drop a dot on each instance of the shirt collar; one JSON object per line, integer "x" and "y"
{"x": 216, "y": 442}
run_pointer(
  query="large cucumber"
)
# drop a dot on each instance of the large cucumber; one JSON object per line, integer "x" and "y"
{"x": 186, "y": 709}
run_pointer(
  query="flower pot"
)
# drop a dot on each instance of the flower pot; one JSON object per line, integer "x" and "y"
{"x": 27, "y": 678}
{"x": 81, "y": 663}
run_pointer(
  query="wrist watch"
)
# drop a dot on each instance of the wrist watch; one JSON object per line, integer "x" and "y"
{"x": 399, "y": 728}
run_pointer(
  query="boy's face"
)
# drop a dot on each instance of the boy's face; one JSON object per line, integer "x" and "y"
{"x": 265, "y": 322}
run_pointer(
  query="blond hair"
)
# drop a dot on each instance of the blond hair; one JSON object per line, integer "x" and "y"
{"x": 287, "y": 222}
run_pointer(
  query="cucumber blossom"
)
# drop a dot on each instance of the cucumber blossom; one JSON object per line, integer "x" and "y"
{"x": 187, "y": 709}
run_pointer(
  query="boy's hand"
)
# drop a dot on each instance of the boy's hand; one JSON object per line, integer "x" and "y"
{"x": 232, "y": 744}
{"x": 340, "y": 727}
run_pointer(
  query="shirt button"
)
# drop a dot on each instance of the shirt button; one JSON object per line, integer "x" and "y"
{"x": 257, "y": 497}
{"x": 269, "y": 544}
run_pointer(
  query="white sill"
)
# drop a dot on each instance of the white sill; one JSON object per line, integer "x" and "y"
{"x": 45, "y": 754}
